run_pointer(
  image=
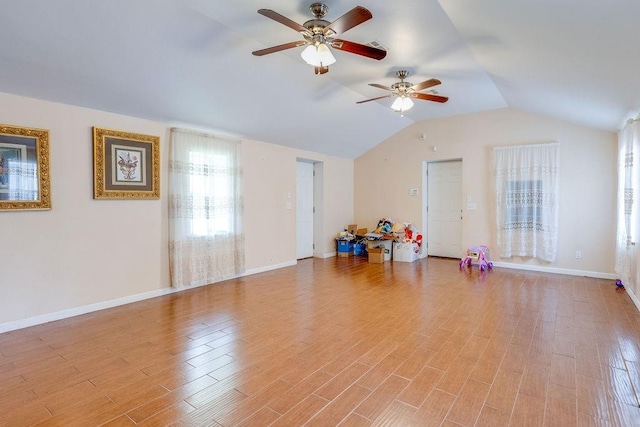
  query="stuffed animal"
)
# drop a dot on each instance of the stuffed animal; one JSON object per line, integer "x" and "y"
{"x": 384, "y": 226}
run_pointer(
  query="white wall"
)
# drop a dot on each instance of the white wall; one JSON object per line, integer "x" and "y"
{"x": 87, "y": 252}
{"x": 384, "y": 175}
{"x": 82, "y": 251}
{"x": 269, "y": 177}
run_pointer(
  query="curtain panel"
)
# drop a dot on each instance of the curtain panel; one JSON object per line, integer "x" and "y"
{"x": 206, "y": 239}
{"x": 627, "y": 209}
{"x": 526, "y": 190}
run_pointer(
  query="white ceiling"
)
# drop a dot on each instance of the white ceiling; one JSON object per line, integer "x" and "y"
{"x": 189, "y": 62}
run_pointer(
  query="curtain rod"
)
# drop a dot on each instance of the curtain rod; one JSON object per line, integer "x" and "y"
{"x": 206, "y": 134}
{"x": 544, "y": 144}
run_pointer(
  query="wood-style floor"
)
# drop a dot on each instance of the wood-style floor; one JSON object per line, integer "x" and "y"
{"x": 339, "y": 342}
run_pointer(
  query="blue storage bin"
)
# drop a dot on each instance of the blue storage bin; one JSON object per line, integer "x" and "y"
{"x": 345, "y": 246}
{"x": 360, "y": 249}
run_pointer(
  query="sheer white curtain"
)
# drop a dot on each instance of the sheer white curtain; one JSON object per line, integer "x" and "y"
{"x": 206, "y": 241}
{"x": 628, "y": 149}
{"x": 526, "y": 188}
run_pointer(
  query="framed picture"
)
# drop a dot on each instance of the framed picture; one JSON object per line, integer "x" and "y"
{"x": 24, "y": 168}
{"x": 125, "y": 165}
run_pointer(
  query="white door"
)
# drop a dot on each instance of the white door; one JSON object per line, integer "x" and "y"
{"x": 444, "y": 209}
{"x": 304, "y": 210}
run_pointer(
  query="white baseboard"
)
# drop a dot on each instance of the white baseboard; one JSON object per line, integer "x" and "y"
{"x": 325, "y": 256}
{"x": 270, "y": 267}
{"x": 59, "y": 315}
{"x": 64, "y": 314}
{"x": 569, "y": 272}
{"x": 634, "y": 298}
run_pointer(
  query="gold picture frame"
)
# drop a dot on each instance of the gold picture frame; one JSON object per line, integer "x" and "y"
{"x": 125, "y": 165}
{"x": 24, "y": 168}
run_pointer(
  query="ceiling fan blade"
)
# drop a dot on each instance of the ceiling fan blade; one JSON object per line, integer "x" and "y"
{"x": 355, "y": 16}
{"x": 284, "y": 20}
{"x": 380, "y": 86}
{"x": 426, "y": 84}
{"x": 278, "y": 48}
{"x": 359, "y": 49}
{"x": 321, "y": 70}
{"x": 374, "y": 99}
{"x": 429, "y": 97}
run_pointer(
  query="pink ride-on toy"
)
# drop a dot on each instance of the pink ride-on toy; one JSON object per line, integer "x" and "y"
{"x": 477, "y": 255}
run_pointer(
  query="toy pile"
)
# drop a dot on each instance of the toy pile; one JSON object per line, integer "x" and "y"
{"x": 349, "y": 242}
{"x": 353, "y": 240}
{"x": 402, "y": 232}
{"x": 345, "y": 235}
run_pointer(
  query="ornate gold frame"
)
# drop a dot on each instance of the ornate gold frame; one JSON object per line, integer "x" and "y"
{"x": 31, "y": 190}
{"x": 138, "y": 178}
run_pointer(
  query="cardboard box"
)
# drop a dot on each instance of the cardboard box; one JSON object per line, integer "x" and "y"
{"x": 376, "y": 255}
{"x": 388, "y": 247}
{"x": 352, "y": 228}
{"x": 361, "y": 232}
{"x": 406, "y": 252}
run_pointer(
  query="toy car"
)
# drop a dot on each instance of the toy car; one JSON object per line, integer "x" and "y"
{"x": 477, "y": 255}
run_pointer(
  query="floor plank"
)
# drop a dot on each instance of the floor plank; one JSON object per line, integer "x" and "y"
{"x": 339, "y": 341}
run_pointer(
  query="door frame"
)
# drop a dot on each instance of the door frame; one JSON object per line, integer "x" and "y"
{"x": 425, "y": 200}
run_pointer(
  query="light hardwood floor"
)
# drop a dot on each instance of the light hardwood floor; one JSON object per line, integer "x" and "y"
{"x": 339, "y": 342}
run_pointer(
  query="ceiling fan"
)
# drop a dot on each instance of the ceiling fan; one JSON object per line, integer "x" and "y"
{"x": 318, "y": 34}
{"x": 404, "y": 91}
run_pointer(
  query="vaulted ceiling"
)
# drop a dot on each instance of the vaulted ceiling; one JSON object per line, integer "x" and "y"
{"x": 189, "y": 62}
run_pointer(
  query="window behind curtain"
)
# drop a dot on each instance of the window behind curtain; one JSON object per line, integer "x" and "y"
{"x": 206, "y": 241}
{"x": 209, "y": 184}
{"x": 523, "y": 205}
{"x": 526, "y": 188}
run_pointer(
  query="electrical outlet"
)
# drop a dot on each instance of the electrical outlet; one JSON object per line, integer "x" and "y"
{"x": 578, "y": 254}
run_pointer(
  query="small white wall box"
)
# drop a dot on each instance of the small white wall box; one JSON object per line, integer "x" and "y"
{"x": 406, "y": 252}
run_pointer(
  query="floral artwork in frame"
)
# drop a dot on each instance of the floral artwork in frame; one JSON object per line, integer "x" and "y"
{"x": 126, "y": 165}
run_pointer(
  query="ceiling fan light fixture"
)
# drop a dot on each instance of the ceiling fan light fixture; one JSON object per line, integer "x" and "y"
{"x": 318, "y": 55}
{"x": 402, "y": 104}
